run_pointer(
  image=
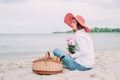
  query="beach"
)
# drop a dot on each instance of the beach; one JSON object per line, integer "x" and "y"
{"x": 107, "y": 67}
{"x": 18, "y": 51}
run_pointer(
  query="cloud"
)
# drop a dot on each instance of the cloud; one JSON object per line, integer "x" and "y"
{"x": 109, "y": 4}
{"x": 12, "y": 1}
{"x": 48, "y": 15}
{"x": 103, "y": 3}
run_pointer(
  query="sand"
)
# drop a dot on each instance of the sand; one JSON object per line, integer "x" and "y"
{"x": 107, "y": 67}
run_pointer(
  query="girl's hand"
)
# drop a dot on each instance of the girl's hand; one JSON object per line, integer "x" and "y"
{"x": 68, "y": 52}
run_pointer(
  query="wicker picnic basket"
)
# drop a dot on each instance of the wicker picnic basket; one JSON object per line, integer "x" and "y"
{"x": 47, "y": 65}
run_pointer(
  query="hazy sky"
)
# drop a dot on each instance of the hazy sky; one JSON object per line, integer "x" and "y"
{"x": 44, "y": 16}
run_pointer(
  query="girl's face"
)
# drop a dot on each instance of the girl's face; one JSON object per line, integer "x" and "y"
{"x": 74, "y": 25}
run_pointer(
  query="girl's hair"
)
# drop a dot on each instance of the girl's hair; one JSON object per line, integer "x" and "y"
{"x": 79, "y": 26}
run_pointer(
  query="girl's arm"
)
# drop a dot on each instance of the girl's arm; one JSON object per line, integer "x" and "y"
{"x": 83, "y": 44}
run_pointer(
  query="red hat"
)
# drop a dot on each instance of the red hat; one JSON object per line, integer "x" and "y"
{"x": 68, "y": 20}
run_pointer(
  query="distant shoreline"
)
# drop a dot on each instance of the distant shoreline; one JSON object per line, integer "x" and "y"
{"x": 72, "y": 32}
{"x": 96, "y": 30}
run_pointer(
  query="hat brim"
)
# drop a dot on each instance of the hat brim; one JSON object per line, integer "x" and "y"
{"x": 68, "y": 19}
{"x": 86, "y": 29}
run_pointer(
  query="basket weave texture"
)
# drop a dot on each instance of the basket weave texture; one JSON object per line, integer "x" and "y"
{"x": 47, "y": 65}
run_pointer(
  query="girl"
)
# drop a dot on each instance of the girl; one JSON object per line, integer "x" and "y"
{"x": 83, "y": 58}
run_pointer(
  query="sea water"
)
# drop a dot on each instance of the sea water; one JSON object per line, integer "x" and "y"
{"x": 27, "y": 44}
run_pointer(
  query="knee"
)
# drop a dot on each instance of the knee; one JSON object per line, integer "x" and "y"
{"x": 57, "y": 52}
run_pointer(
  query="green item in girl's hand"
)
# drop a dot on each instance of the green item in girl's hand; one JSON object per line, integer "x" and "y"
{"x": 71, "y": 49}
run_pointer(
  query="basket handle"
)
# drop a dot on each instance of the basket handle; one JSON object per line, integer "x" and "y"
{"x": 47, "y": 55}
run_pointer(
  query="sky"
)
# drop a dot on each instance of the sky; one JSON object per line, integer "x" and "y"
{"x": 46, "y": 16}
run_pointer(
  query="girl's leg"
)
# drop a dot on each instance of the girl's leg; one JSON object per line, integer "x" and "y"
{"x": 81, "y": 68}
{"x": 67, "y": 60}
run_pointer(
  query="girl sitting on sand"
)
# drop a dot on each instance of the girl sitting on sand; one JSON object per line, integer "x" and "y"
{"x": 83, "y": 58}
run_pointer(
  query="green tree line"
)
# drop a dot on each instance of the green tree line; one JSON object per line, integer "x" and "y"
{"x": 96, "y": 29}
